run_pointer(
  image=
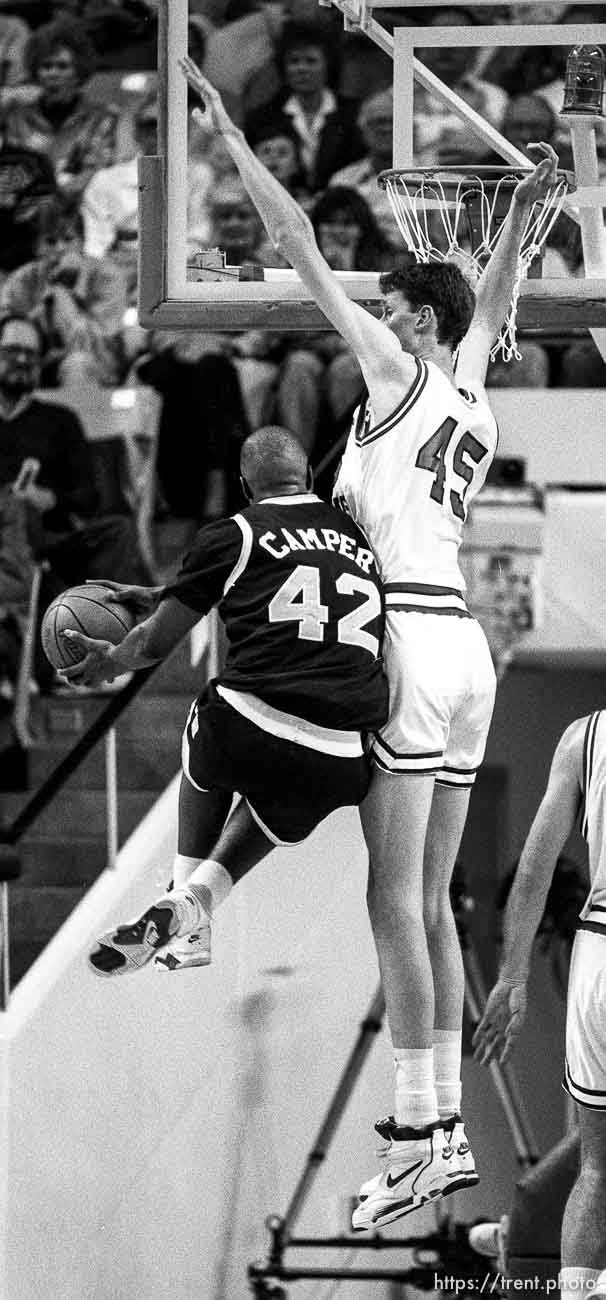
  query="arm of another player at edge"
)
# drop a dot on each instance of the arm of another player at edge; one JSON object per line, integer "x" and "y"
{"x": 494, "y": 289}
{"x": 292, "y": 234}
{"x": 550, "y": 829}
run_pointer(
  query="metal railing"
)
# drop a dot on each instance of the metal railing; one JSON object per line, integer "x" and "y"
{"x": 12, "y": 832}
{"x": 102, "y": 727}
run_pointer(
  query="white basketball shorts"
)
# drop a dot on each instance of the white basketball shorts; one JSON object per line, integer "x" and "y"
{"x": 441, "y": 696}
{"x": 585, "y": 1076}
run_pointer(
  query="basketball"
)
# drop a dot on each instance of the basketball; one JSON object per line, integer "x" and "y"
{"x": 85, "y": 609}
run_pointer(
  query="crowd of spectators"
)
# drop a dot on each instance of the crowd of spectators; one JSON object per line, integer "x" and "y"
{"x": 78, "y": 103}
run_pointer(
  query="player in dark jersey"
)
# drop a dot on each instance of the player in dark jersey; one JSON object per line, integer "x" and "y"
{"x": 297, "y": 590}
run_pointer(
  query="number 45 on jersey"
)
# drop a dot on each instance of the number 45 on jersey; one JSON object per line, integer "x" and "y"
{"x": 431, "y": 456}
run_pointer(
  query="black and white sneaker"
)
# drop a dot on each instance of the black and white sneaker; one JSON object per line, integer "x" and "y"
{"x": 130, "y": 947}
{"x": 454, "y": 1129}
{"x": 420, "y": 1166}
{"x": 183, "y": 954}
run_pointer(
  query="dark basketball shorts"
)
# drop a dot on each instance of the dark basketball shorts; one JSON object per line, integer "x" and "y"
{"x": 289, "y": 787}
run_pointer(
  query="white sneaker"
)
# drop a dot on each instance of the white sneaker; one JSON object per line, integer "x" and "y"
{"x": 420, "y": 1165}
{"x": 131, "y": 946}
{"x": 383, "y": 1127}
{"x": 456, "y": 1136}
{"x": 182, "y": 954}
{"x": 490, "y": 1240}
{"x": 484, "y": 1239}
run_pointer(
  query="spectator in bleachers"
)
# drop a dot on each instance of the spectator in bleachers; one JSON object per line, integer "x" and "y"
{"x": 237, "y": 228}
{"x": 347, "y": 232}
{"x": 527, "y": 67}
{"x": 375, "y": 120}
{"x": 77, "y": 134}
{"x": 350, "y": 239}
{"x": 240, "y": 58}
{"x": 124, "y": 33}
{"x": 240, "y": 54}
{"x": 278, "y": 376}
{"x": 325, "y": 124}
{"x": 63, "y": 525}
{"x": 16, "y": 572}
{"x": 440, "y": 136}
{"x": 529, "y": 117}
{"x": 201, "y": 428}
{"x": 14, "y": 35}
{"x": 320, "y": 380}
{"x": 110, "y": 200}
{"x": 534, "y": 67}
{"x": 79, "y": 302}
{"x": 279, "y": 148}
{"x": 27, "y": 186}
{"x": 208, "y": 164}
{"x": 278, "y": 373}
{"x": 365, "y": 69}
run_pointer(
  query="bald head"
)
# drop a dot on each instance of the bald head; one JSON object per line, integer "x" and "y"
{"x": 274, "y": 463}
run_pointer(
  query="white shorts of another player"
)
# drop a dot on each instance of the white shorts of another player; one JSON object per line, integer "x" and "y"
{"x": 585, "y": 1071}
{"x": 441, "y": 688}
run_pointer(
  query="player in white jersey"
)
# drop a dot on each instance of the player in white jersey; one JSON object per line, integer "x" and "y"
{"x": 437, "y": 660}
{"x": 576, "y": 788}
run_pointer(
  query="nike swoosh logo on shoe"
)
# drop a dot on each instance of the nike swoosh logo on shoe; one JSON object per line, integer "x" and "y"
{"x": 393, "y": 1182}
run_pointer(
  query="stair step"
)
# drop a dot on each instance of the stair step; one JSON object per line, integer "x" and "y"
{"x": 21, "y": 957}
{"x": 35, "y": 913}
{"x": 65, "y": 850}
{"x": 68, "y": 719}
{"x": 140, "y": 764}
{"x": 46, "y": 861}
{"x": 82, "y": 813}
{"x": 161, "y": 717}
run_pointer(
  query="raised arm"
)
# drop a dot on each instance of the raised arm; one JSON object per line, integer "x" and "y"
{"x": 291, "y": 233}
{"x": 505, "y": 1009}
{"x": 495, "y": 287}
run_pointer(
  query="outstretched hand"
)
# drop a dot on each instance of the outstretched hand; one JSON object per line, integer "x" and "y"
{"x": 501, "y": 1022}
{"x": 215, "y": 113}
{"x": 95, "y": 666}
{"x": 536, "y": 186}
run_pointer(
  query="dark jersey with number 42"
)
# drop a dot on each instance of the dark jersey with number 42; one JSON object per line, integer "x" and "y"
{"x": 297, "y": 589}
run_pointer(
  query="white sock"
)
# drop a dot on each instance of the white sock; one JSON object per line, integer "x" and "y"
{"x": 199, "y": 888}
{"x": 578, "y": 1283}
{"x": 447, "y": 1049}
{"x": 211, "y": 877}
{"x": 183, "y": 868}
{"x": 416, "y": 1104}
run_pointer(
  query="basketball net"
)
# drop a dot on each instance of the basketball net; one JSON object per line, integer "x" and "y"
{"x": 470, "y": 207}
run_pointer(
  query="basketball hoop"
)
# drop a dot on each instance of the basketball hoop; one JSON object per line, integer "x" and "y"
{"x": 456, "y": 214}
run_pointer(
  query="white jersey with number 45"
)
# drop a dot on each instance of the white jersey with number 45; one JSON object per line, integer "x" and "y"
{"x": 408, "y": 480}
